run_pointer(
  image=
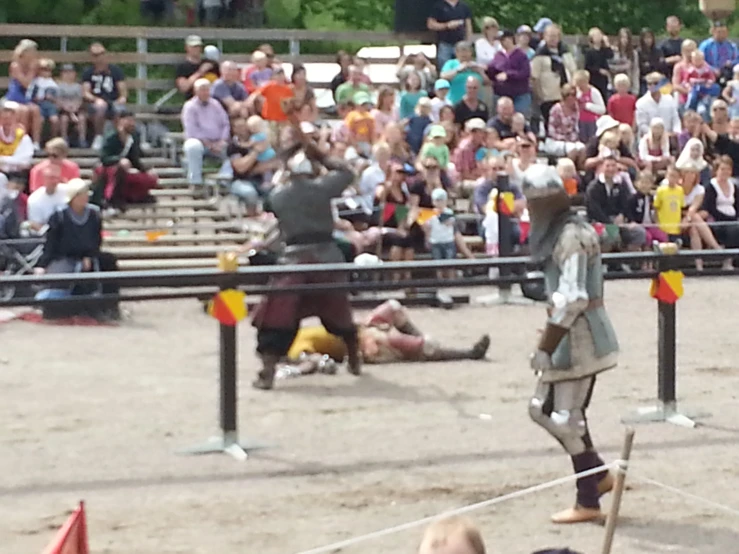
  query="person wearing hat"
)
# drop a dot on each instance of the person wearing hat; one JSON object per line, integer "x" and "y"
{"x": 105, "y": 90}
{"x": 720, "y": 53}
{"x": 69, "y": 100}
{"x": 465, "y": 156}
{"x": 510, "y": 72}
{"x": 120, "y": 156}
{"x": 593, "y": 158}
{"x": 16, "y": 147}
{"x": 470, "y": 106}
{"x": 436, "y": 147}
{"x": 538, "y": 34}
{"x": 451, "y": 20}
{"x": 361, "y": 124}
{"x": 656, "y": 104}
{"x": 440, "y": 99}
{"x": 194, "y": 66}
{"x": 523, "y": 40}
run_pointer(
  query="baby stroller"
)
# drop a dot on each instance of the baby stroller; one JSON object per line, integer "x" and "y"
{"x": 18, "y": 257}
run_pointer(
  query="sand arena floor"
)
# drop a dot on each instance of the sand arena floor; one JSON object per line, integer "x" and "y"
{"x": 352, "y": 455}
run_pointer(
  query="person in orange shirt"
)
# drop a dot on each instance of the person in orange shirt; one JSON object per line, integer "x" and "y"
{"x": 57, "y": 150}
{"x": 273, "y": 94}
{"x": 361, "y": 124}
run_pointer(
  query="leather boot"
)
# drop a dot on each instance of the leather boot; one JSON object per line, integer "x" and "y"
{"x": 587, "y": 507}
{"x": 354, "y": 356}
{"x": 409, "y": 329}
{"x": 477, "y": 352}
{"x": 606, "y": 481}
{"x": 266, "y": 378}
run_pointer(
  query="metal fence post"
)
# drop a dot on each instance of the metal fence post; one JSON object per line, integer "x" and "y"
{"x": 63, "y": 43}
{"x": 294, "y": 47}
{"x": 142, "y": 48}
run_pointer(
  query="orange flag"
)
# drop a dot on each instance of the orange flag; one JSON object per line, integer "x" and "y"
{"x": 72, "y": 537}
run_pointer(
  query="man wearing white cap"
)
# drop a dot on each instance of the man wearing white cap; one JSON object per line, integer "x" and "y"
{"x": 16, "y": 147}
{"x": 593, "y": 159}
{"x": 194, "y": 67}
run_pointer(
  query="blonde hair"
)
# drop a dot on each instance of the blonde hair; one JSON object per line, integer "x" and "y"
{"x": 24, "y": 46}
{"x": 381, "y": 148}
{"x": 581, "y": 75}
{"x": 255, "y": 124}
{"x": 688, "y": 44}
{"x": 58, "y": 146}
{"x": 592, "y": 32}
{"x": 566, "y": 163}
{"x": 489, "y": 22}
{"x": 610, "y": 137}
{"x": 438, "y": 534}
{"x": 46, "y": 63}
{"x": 621, "y": 79}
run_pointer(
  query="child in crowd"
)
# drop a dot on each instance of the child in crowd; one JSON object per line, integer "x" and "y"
{"x": 608, "y": 147}
{"x": 641, "y": 205}
{"x": 436, "y": 146}
{"x": 441, "y": 89}
{"x": 44, "y": 91}
{"x": 703, "y": 88}
{"x": 669, "y": 202}
{"x": 258, "y": 73}
{"x": 568, "y": 173}
{"x": 411, "y": 95}
{"x": 591, "y": 104}
{"x": 259, "y": 135}
{"x": 488, "y": 148}
{"x": 731, "y": 94}
{"x": 385, "y": 112}
{"x": 622, "y": 105}
{"x": 417, "y": 124}
{"x": 212, "y": 54}
{"x": 518, "y": 125}
{"x": 69, "y": 101}
{"x": 361, "y": 124}
{"x": 441, "y": 231}
{"x": 628, "y": 138}
{"x": 654, "y": 147}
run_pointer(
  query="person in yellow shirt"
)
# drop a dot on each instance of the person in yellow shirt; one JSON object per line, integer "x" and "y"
{"x": 386, "y": 336}
{"x": 361, "y": 124}
{"x": 669, "y": 202}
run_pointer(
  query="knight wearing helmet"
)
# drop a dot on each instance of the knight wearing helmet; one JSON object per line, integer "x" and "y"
{"x": 302, "y": 206}
{"x": 578, "y": 341}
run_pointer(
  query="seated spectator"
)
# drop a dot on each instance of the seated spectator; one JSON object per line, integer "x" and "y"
{"x": 608, "y": 202}
{"x": 452, "y": 535}
{"x": 207, "y": 129}
{"x": 692, "y": 128}
{"x": 525, "y": 157}
{"x": 105, "y": 90}
{"x": 510, "y": 73}
{"x": 563, "y": 132}
{"x": 703, "y": 88}
{"x": 57, "y": 151}
{"x": 122, "y": 178}
{"x": 258, "y": 73}
{"x": 418, "y": 124}
{"x": 363, "y": 66}
{"x": 361, "y": 125}
{"x": 485, "y": 198}
{"x": 70, "y": 103}
{"x": 489, "y": 145}
{"x": 441, "y": 90}
{"x": 719, "y": 117}
{"x": 465, "y": 156}
{"x": 446, "y": 115}
{"x": 272, "y": 96}
{"x": 373, "y": 177}
{"x": 692, "y": 156}
{"x": 419, "y": 64}
{"x": 721, "y": 53}
{"x": 344, "y": 61}
{"x": 591, "y": 105}
{"x": 458, "y": 70}
{"x": 44, "y": 92}
{"x": 399, "y": 150}
{"x": 16, "y": 147}
{"x": 470, "y": 106}
{"x": 731, "y": 93}
{"x": 229, "y": 91}
{"x": 305, "y": 96}
{"x": 435, "y": 147}
{"x": 194, "y": 67}
{"x": 47, "y": 199}
{"x": 410, "y": 96}
{"x": 626, "y": 134}
{"x": 385, "y": 111}
{"x": 392, "y": 198}
{"x": 721, "y": 204}
{"x": 347, "y": 90}
{"x": 22, "y": 71}
{"x": 74, "y": 241}
{"x": 593, "y": 158}
{"x": 654, "y": 147}
{"x": 609, "y": 147}
{"x": 655, "y": 104}
{"x": 622, "y": 105}
{"x": 734, "y": 129}
{"x": 503, "y": 124}
{"x": 570, "y": 177}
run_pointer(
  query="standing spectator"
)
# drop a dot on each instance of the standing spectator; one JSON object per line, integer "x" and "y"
{"x": 347, "y": 90}
{"x": 23, "y": 70}
{"x": 563, "y": 132}
{"x": 510, "y": 73}
{"x": 440, "y": 230}
{"x": 720, "y": 53}
{"x": 622, "y": 105}
{"x": 344, "y": 60}
{"x": 465, "y": 156}
{"x": 452, "y": 535}
{"x": 258, "y": 73}
{"x": 57, "y": 151}
{"x": 608, "y": 202}
{"x": 625, "y": 59}
{"x": 374, "y": 176}
{"x": 655, "y": 104}
{"x": 721, "y": 204}
{"x": 651, "y": 58}
{"x": 452, "y": 22}
{"x": 703, "y": 88}
{"x": 193, "y": 68}
{"x": 539, "y": 28}
{"x": 105, "y": 90}
{"x": 672, "y": 46}
{"x": 47, "y": 199}
{"x": 272, "y": 96}
{"x": 410, "y": 96}
{"x": 416, "y": 63}
{"x": 680, "y": 72}
{"x": 731, "y": 94}
{"x": 720, "y": 121}
{"x": 669, "y": 202}
{"x": 597, "y": 55}
{"x": 470, "y": 105}
{"x": 488, "y": 45}
{"x": 654, "y": 147}
{"x": 207, "y": 130}
{"x": 641, "y": 209}
{"x": 385, "y": 111}
{"x": 229, "y": 91}
{"x": 69, "y": 102}
{"x": 399, "y": 151}
{"x": 590, "y": 102}
{"x": 456, "y": 71}
{"x": 523, "y": 41}
{"x": 44, "y": 92}
{"x": 551, "y": 68}
{"x": 120, "y": 156}
{"x": 305, "y": 96}
{"x": 440, "y": 99}
{"x": 16, "y": 147}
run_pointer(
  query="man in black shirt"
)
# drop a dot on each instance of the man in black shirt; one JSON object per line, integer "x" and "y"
{"x": 194, "y": 67}
{"x": 503, "y": 124}
{"x": 104, "y": 88}
{"x": 671, "y": 47}
{"x": 470, "y": 106}
{"x": 452, "y": 21}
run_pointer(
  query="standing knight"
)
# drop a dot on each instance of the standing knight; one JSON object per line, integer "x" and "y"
{"x": 578, "y": 342}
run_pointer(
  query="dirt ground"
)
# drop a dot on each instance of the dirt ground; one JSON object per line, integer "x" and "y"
{"x": 99, "y": 414}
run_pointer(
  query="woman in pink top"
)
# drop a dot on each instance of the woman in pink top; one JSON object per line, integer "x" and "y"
{"x": 385, "y": 111}
{"x": 680, "y": 73}
{"x": 57, "y": 150}
{"x": 591, "y": 105}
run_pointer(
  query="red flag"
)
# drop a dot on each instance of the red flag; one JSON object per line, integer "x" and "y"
{"x": 72, "y": 537}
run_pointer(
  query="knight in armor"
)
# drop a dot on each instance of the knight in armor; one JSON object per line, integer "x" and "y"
{"x": 578, "y": 341}
{"x": 302, "y": 206}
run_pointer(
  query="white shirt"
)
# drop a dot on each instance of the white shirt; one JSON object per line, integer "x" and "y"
{"x": 41, "y": 206}
{"x": 647, "y": 109}
{"x": 20, "y": 159}
{"x": 441, "y": 232}
{"x": 698, "y": 190}
{"x": 436, "y": 105}
{"x": 371, "y": 178}
{"x": 724, "y": 202}
{"x": 485, "y": 51}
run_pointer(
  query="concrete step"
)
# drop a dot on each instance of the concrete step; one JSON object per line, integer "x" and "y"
{"x": 86, "y": 173}
{"x": 90, "y": 153}
{"x": 209, "y": 239}
{"x": 173, "y": 227}
{"x": 180, "y": 193}
{"x": 174, "y": 263}
{"x": 164, "y": 204}
{"x": 161, "y": 252}
{"x": 156, "y": 219}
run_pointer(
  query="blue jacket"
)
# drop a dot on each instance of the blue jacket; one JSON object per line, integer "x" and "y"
{"x": 719, "y": 54}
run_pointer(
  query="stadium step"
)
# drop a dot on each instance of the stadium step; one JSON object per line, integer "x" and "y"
{"x": 174, "y": 263}
{"x": 86, "y": 173}
{"x": 157, "y": 240}
{"x": 178, "y": 252}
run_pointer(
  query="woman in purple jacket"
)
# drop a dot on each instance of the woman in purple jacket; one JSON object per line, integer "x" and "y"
{"x": 510, "y": 72}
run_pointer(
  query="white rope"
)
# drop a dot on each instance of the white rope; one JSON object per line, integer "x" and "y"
{"x": 686, "y": 494}
{"x": 458, "y": 511}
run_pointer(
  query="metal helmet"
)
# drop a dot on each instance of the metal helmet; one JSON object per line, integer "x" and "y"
{"x": 548, "y": 203}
